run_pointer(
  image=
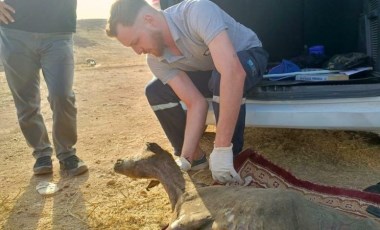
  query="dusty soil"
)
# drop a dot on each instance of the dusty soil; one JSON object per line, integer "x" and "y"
{"x": 114, "y": 120}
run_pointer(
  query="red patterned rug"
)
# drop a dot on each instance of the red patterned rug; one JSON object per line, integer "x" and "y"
{"x": 265, "y": 174}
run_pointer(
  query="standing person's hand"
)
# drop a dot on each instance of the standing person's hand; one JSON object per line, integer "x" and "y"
{"x": 6, "y": 12}
{"x": 222, "y": 166}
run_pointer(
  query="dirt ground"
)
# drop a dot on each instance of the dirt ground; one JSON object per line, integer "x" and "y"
{"x": 114, "y": 120}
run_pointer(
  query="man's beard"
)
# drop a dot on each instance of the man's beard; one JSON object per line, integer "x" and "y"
{"x": 159, "y": 45}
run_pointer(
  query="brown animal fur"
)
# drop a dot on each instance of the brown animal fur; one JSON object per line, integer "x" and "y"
{"x": 232, "y": 207}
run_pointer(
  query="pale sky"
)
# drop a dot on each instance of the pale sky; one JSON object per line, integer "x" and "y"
{"x": 93, "y": 8}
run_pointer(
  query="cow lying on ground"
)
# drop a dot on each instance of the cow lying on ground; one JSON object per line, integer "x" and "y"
{"x": 232, "y": 207}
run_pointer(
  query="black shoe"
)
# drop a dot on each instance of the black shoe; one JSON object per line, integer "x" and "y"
{"x": 373, "y": 188}
{"x": 199, "y": 164}
{"x": 72, "y": 166}
{"x": 43, "y": 165}
{"x": 372, "y": 209}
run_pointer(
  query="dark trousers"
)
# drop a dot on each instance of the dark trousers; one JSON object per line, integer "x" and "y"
{"x": 172, "y": 115}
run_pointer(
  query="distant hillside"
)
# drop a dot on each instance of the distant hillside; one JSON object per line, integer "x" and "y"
{"x": 89, "y": 32}
{"x": 91, "y": 24}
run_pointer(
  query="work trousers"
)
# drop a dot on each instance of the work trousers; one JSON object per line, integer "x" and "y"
{"x": 24, "y": 55}
{"x": 172, "y": 114}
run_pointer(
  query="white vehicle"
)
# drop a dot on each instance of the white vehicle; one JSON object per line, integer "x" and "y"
{"x": 155, "y": 3}
{"x": 287, "y": 29}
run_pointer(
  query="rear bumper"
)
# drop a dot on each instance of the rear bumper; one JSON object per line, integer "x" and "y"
{"x": 343, "y": 114}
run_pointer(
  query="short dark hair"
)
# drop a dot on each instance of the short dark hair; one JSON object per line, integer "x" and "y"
{"x": 124, "y": 12}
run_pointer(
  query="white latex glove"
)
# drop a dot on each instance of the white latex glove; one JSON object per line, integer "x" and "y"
{"x": 183, "y": 164}
{"x": 222, "y": 166}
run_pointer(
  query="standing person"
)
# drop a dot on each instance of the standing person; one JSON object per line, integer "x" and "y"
{"x": 37, "y": 35}
{"x": 195, "y": 50}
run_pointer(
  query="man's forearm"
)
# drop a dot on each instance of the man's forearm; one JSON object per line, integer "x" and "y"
{"x": 195, "y": 121}
{"x": 231, "y": 93}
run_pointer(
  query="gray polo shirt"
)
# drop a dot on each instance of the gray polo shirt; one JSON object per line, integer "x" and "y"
{"x": 193, "y": 25}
